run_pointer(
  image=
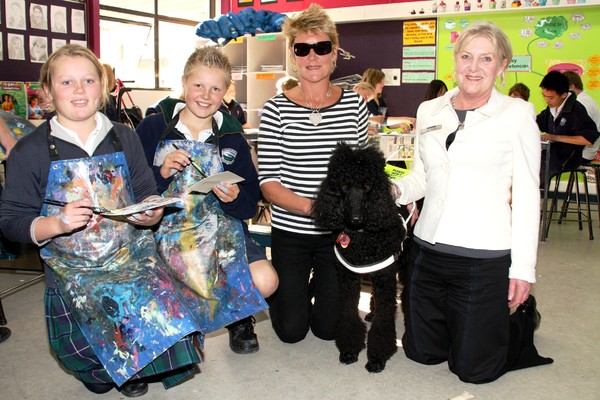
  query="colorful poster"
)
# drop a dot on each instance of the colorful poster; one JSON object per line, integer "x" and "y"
{"x": 13, "y": 97}
{"x": 542, "y": 39}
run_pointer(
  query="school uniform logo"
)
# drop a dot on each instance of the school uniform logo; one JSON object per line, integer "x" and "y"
{"x": 228, "y": 155}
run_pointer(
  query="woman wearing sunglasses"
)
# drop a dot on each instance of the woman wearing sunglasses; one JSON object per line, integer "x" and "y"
{"x": 298, "y": 131}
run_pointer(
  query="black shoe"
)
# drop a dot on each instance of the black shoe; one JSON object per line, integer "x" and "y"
{"x": 242, "y": 338}
{"x": 4, "y": 333}
{"x": 134, "y": 389}
{"x": 530, "y": 308}
{"x": 98, "y": 388}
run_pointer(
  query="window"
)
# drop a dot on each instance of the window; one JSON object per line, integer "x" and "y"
{"x": 148, "y": 49}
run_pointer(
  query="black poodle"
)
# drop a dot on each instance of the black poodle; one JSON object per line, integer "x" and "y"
{"x": 356, "y": 204}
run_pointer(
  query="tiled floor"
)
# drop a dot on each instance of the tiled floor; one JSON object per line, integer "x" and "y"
{"x": 568, "y": 298}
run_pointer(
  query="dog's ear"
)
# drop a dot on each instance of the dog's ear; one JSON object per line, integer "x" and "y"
{"x": 328, "y": 209}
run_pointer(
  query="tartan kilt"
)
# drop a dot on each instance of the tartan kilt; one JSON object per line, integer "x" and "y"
{"x": 74, "y": 352}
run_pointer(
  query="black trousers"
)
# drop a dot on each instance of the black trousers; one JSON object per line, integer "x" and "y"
{"x": 456, "y": 310}
{"x": 307, "y": 296}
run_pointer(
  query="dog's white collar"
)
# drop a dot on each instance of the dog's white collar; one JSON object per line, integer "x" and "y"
{"x": 364, "y": 269}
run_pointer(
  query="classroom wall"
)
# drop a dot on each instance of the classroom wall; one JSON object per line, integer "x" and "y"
{"x": 379, "y": 45}
{"x": 542, "y": 39}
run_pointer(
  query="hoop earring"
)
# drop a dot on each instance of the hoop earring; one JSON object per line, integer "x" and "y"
{"x": 294, "y": 67}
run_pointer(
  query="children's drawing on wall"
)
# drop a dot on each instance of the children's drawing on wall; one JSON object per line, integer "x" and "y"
{"x": 57, "y": 44}
{"x": 15, "y": 14}
{"x": 77, "y": 21}
{"x": 38, "y": 50}
{"x": 38, "y": 16}
{"x": 15, "y": 47}
{"x": 58, "y": 19}
{"x": 79, "y": 42}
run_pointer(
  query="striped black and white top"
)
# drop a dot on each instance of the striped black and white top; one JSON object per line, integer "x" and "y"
{"x": 295, "y": 153}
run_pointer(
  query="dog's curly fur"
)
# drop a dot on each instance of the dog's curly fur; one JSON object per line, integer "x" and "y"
{"x": 355, "y": 198}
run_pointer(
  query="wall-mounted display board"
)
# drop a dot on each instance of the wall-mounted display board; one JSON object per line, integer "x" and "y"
{"x": 542, "y": 39}
{"x": 30, "y": 30}
{"x": 405, "y": 46}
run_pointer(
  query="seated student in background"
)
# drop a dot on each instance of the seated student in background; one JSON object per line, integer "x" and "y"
{"x": 378, "y": 107}
{"x": 565, "y": 123}
{"x": 209, "y": 239}
{"x": 111, "y": 109}
{"x": 436, "y": 88}
{"x": 114, "y": 314}
{"x": 520, "y": 91}
{"x": 367, "y": 92}
{"x": 576, "y": 85}
{"x": 234, "y": 108}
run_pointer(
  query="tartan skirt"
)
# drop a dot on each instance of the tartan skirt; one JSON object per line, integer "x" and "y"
{"x": 75, "y": 353}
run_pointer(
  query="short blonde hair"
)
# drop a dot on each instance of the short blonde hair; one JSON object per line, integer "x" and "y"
{"x": 74, "y": 50}
{"x": 209, "y": 56}
{"x": 313, "y": 19}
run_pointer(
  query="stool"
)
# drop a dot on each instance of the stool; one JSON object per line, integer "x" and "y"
{"x": 263, "y": 215}
{"x": 595, "y": 166}
{"x": 572, "y": 182}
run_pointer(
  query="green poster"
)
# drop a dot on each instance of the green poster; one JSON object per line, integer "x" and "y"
{"x": 542, "y": 38}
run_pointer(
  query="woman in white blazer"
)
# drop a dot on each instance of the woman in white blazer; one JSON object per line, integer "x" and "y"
{"x": 477, "y": 163}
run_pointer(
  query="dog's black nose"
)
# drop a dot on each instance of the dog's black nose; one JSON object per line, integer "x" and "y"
{"x": 356, "y": 220}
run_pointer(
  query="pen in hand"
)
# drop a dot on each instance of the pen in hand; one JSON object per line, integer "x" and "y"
{"x": 193, "y": 163}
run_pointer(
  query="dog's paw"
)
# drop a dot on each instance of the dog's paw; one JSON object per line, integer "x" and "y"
{"x": 348, "y": 358}
{"x": 375, "y": 366}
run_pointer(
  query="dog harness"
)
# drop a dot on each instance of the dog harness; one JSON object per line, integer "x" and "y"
{"x": 344, "y": 241}
{"x": 364, "y": 269}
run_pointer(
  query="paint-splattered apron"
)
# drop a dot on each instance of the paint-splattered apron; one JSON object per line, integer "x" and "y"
{"x": 204, "y": 246}
{"x": 128, "y": 306}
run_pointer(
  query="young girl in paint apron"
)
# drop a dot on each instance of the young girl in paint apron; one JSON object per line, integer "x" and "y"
{"x": 114, "y": 313}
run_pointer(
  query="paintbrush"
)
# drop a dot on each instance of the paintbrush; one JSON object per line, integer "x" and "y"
{"x": 193, "y": 163}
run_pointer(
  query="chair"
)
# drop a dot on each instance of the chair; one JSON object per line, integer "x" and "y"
{"x": 595, "y": 167}
{"x": 573, "y": 182}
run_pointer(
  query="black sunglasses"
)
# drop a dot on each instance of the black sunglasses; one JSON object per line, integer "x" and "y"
{"x": 320, "y": 48}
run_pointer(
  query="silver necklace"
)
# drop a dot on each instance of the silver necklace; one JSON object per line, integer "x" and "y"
{"x": 315, "y": 116}
{"x": 461, "y": 124}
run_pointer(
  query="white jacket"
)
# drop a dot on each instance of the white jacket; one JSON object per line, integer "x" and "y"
{"x": 483, "y": 193}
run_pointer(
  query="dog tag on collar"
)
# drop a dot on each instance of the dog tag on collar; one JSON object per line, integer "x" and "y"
{"x": 343, "y": 240}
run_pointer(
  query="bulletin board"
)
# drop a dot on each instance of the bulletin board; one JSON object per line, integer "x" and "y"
{"x": 30, "y": 30}
{"x": 542, "y": 39}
